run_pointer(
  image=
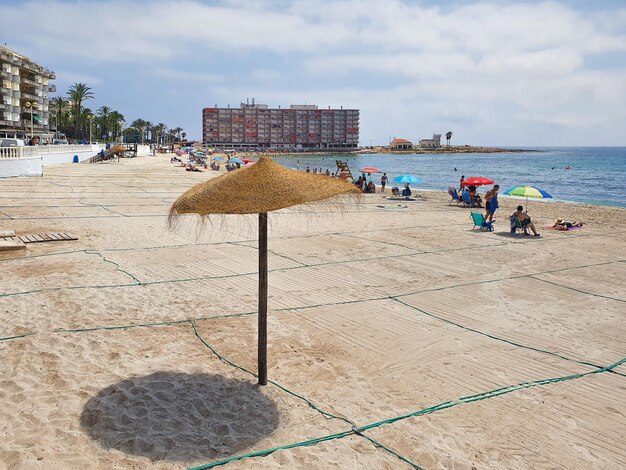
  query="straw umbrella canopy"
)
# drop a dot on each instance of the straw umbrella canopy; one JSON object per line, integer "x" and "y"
{"x": 258, "y": 189}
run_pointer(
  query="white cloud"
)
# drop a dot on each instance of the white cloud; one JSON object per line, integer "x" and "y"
{"x": 495, "y": 68}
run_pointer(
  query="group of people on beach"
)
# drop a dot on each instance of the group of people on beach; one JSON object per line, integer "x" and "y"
{"x": 316, "y": 171}
{"x": 520, "y": 216}
{"x": 366, "y": 187}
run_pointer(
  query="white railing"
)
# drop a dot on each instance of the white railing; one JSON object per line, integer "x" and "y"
{"x": 11, "y": 152}
{"x": 42, "y": 150}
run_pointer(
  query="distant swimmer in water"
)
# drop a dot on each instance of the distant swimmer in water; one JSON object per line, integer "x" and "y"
{"x": 455, "y": 169}
{"x": 568, "y": 167}
{"x": 553, "y": 167}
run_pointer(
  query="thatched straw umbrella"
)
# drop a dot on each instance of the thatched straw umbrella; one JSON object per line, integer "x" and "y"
{"x": 263, "y": 187}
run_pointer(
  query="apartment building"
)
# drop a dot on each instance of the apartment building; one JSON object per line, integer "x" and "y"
{"x": 303, "y": 127}
{"x": 24, "y": 88}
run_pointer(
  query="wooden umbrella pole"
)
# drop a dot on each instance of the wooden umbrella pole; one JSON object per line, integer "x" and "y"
{"x": 262, "y": 345}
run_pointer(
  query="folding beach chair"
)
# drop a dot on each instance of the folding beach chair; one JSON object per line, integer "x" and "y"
{"x": 516, "y": 226}
{"x": 455, "y": 196}
{"x": 480, "y": 222}
{"x": 467, "y": 199}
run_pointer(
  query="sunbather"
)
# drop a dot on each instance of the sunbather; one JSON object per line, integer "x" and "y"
{"x": 560, "y": 224}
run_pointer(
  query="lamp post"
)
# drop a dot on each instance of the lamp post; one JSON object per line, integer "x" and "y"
{"x": 31, "y": 105}
{"x": 90, "y": 117}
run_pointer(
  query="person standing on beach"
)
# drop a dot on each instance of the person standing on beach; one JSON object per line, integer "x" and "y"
{"x": 383, "y": 182}
{"x": 491, "y": 202}
{"x": 461, "y": 183}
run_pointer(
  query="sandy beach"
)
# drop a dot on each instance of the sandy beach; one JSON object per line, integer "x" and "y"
{"x": 398, "y": 336}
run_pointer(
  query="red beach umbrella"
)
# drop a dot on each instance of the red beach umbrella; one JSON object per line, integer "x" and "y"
{"x": 370, "y": 169}
{"x": 247, "y": 160}
{"x": 477, "y": 181}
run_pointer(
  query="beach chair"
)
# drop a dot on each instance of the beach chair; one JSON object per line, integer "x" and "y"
{"x": 466, "y": 198}
{"x": 480, "y": 222}
{"x": 516, "y": 226}
{"x": 454, "y": 195}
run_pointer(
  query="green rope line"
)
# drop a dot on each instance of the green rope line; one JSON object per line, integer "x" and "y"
{"x": 497, "y": 338}
{"x": 395, "y": 298}
{"x": 390, "y": 450}
{"x": 578, "y": 290}
{"x": 266, "y": 452}
{"x": 243, "y": 369}
{"x": 491, "y": 394}
{"x": 149, "y": 325}
{"x": 117, "y": 266}
{"x": 312, "y": 405}
{"x": 7, "y": 338}
{"x": 431, "y": 409}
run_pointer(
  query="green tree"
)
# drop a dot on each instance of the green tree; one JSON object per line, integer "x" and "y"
{"x": 140, "y": 125}
{"x": 59, "y": 107}
{"x": 160, "y": 129}
{"x": 448, "y": 137}
{"x": 149, "y": 129}
{"x": 116, "y": 122}
{"x": 83, "y": 118}
{"x": 176, "y": 132}
{"x": 78, "y": 93}
{"x": 104, "y": 118}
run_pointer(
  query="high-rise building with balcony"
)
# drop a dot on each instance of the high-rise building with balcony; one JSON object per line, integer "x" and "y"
{"x": 298, "y": 127}
{"x": 24, "y": 87}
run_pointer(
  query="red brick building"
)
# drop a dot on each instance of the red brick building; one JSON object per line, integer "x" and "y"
{"x": 297, "y": 127}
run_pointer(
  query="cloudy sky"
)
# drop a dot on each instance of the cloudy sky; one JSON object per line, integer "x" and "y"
{"x": 494, "y": 72}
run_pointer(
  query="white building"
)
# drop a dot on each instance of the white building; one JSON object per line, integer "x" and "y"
{"x": 401, "y": 144}
{"x": 24, "y": 87}
{"x": 433, "y": 143}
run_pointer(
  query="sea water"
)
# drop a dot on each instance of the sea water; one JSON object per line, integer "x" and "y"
{"x": 595, "y": 175}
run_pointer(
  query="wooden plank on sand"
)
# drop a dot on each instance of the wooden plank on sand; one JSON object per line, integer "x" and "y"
{"x": 11, "y": 245}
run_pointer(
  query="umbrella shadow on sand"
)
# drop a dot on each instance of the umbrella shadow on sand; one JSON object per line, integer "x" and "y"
{"x": 180, "y": 417}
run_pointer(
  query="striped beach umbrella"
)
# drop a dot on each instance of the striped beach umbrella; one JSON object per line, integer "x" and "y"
{"x": 528, "y": 191}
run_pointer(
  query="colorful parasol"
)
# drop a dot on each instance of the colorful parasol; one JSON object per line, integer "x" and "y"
{"x": 477, "y": 181}
{"x": 370, "y": 169}
{"x": 528, "y": 191}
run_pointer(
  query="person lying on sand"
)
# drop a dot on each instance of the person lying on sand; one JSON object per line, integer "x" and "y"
{"x": 560, "y": 224}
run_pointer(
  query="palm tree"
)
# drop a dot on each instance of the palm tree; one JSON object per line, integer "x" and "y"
{"x": 58, "y": 105}
{"x": 116, "y": 121}
{"x": 78, "y": 93}
{"x": 184, "y": 135}
{"x": 140, "y": 125}
{"x": 448, "y": 137}
{"x": 104, "y": 116}
{"x": 148, "y": 130}
{"x": 83, "y": 118}
{"x": 176, "y": 131}
{"x": 160, "y": 129}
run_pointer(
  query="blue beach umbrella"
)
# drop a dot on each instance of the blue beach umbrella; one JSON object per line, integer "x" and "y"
{"x": 235, "y": 160}
{"x": 528, "y": 191}
{"x": 407, "y": 179}
{"x": 218, "y": 158}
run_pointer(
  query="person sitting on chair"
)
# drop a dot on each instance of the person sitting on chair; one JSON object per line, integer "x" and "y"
{"x": 524, "y": 220}
{"x": 371, "y": 187}
{"x": 406, "y": 192}
{"x": 475, "y": 197}
{"x": 395, "y": 191}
